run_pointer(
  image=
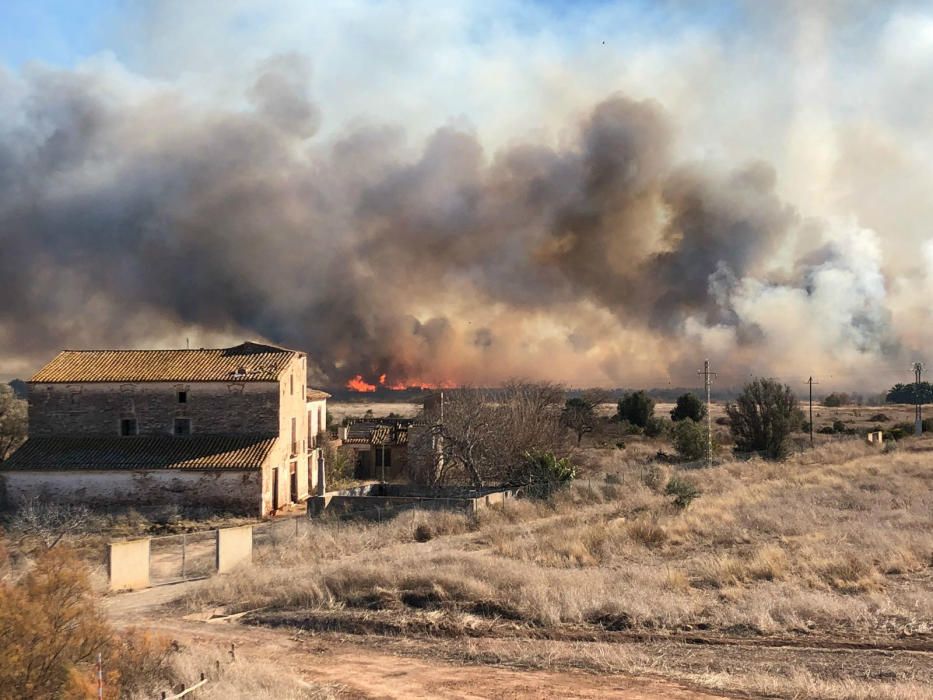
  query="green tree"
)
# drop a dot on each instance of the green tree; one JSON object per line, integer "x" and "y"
{"x": 544, "y": 472}
{"x": 834, "y": 400}
{"x": 636, "y": 407}
{"x": 682, "y": 490}
{"x": 763, "y": 417}
{"x": 688, "y": 406}
{"x": 690, "y": 439}
{"x": 910, "y": 393}
{"x": 579, "y": 414}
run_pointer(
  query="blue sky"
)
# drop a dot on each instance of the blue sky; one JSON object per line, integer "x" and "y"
{"x": 59, "y": 32}
{"x": 63, "y": 32}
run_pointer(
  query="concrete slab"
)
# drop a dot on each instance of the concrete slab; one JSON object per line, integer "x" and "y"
{"x": 128, "y": 565}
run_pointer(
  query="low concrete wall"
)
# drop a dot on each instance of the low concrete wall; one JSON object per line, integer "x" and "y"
{"x": 129, "y": 565}
{"x": 393, "y": 496}
{"x": 234, "y": 547}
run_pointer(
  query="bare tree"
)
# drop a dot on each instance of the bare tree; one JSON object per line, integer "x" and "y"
{"x": 48, "y": 523}
{"x": 12, "y": 421}
{"x": 485, "y": 435}
{"x": 579, "y": 414}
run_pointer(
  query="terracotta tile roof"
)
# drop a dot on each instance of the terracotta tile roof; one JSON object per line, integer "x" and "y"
{"x": 317, "y": 395}
{"x": 159, "y": 452}
{"x": 249, "y": 362}
{"x": 378, "y": 432}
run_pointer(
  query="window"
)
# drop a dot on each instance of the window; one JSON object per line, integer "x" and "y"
{"x": 183, "y": 426}
{"x": 291, "y": 384}
{"x": 182, "y": 397}
{"x": 294, "y": 436}
{"x": 128, "y": 427}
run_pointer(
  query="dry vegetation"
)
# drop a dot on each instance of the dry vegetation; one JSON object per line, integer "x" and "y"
{"x": 834, "y": 545}
{"x": 245, "y": 678}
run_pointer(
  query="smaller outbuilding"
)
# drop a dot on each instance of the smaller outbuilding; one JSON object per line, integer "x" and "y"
{"x": 379, "y": 445}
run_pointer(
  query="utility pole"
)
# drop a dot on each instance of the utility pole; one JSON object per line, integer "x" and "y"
{"x": 918, "y": 417}
{"x": 707, "y": 380}
{"x": 811, "y": 383}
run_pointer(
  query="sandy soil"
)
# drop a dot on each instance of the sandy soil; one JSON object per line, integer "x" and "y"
{"x": 372, "y": 667}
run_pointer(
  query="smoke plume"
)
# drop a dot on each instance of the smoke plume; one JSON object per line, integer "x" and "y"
{"x": 132, "y": 215}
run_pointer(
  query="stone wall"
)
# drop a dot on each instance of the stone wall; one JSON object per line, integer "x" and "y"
{"x": 228, "y": 490}
{"x": 97, "y": 408}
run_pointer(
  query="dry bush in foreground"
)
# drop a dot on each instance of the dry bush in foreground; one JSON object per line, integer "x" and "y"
{"x": 245, "y": 678}
{"x": 52, "y": 630}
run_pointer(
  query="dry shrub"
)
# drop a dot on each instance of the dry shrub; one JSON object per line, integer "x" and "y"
{"x": 246, "y": 677}
{"x": 139, "y": 661}
{"x": 49, "y": 626}
{"x": 766, "y": 564}
{"x": 654, "y": 476}
{"x": 849, "y": 573}
{"x": 52, "y": 630}
{"x": 647, "y": 532}
{"x": 563, "y": 543}
{"x": 519, "y": 510}
{"x": 903, "y": 560}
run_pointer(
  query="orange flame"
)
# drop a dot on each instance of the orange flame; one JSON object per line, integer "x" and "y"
{"x": 360, "y": 384}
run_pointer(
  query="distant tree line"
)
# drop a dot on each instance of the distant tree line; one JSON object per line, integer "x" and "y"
{"x": 910, "y": 393}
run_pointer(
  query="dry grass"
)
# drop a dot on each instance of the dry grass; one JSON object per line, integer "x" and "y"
{"x": 244, "y": 678}
{"x": 836, "y": 543}
{"x": 798, "y": 674}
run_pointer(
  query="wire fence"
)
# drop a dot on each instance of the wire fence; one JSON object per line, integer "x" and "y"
{"x": 174, "y": 558}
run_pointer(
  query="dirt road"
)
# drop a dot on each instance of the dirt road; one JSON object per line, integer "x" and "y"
{"x": 362, "y": 669}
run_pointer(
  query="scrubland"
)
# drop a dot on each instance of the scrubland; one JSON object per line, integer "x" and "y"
{"x": 811, "y": 577}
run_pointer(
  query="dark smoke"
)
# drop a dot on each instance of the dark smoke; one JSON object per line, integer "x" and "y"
{"x": 129, "y": 216}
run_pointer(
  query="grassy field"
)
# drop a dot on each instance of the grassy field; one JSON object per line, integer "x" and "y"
{"x": 807, "y": 578}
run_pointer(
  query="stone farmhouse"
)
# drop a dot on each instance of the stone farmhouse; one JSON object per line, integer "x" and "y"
{"x": 233, "y": 429}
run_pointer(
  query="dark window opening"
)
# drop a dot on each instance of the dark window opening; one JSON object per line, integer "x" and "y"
{"x": 127, "y": 427}
{"x": 183, "y": 426}
{"x": 291, "y": 384}
{"x": 182, "y": 397}
{"x": 383, "y": 456}
{"x": 294, "y": 436}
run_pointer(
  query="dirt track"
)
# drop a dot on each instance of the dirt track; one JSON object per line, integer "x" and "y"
{"x": 361, "y": 669}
